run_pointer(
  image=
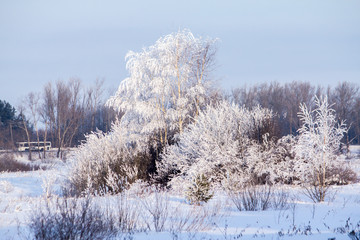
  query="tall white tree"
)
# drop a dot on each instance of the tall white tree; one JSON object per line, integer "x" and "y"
{"x": 168, "y": 84}
{"x": 167, "y": 87}
{"x": 319, "y": 143}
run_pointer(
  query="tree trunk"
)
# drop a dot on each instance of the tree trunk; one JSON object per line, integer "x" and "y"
{"x": 11, "y": 135}
{"x": 45, "y": 136}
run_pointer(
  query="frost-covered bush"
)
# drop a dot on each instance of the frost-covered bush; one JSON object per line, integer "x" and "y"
{"x": 340, "y": 174}
{"x": 105, "y": 163}
{"x": 9, "y": 164}
{"x": 215, "y": 145}
{"x": 271, "y": 161}
{"x": 161, "y": 213}
{"x": 156, "y": 206}
{"x": 258, "y": 198}
{"x": 127, "y": 216}
{"x": 71, "y": 218}
{"x": 252, "y": 198}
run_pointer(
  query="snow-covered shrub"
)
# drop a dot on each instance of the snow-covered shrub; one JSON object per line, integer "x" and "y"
{"x": 252, "y": 198}
{"x": 340, "y": 174}
{"x": 185, "y": 219}
{"x": 8, "y": 163}
{"x": 156, "y": 206}
{"x": 71, "y": 218}
{"x": 199, "y": 191}
{"x": 159, "y": 212}
{"x": 215, "y": 144}
{"x": 105, "y": 163}
{"x": 259, "y": 198}
{"x": 127, "y": 216}
{"x": 336, "y": 173}
{"x": 271, "y": 161}
{"x": 280, "y": 199}
{"x": 283, "y": 167}
{"x": 259, "y": 159}
{"x": 318, "y": 146}
{"x": 193, "y": 218}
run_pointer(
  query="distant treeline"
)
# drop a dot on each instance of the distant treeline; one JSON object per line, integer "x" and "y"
{"x": 61, "y": 113}
{"x": 65, "y": 111}
{"x": 284, "y": 100}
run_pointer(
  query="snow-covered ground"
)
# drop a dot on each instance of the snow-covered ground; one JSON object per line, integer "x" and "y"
{"x": 21, "y": 192}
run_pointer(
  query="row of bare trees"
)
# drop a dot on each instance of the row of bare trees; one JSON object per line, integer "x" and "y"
{"x": 285, "y": 99}
{"x": 63, "y": 112}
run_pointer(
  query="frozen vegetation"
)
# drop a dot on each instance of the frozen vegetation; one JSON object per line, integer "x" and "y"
{"x": 185, "y": 162}
{"x": 142, "y": 212}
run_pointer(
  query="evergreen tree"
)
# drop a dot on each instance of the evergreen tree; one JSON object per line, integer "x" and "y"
{"x": 7, "y": 113}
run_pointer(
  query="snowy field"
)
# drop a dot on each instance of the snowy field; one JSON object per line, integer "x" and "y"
{"x": 21, "y": 194}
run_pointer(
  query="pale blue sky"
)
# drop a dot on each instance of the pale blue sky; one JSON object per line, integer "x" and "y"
{"x": 260, "y": 40}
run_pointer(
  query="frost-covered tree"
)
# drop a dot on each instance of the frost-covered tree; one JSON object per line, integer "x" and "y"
{"x": 319, "y": 143}
{"x": 167, "y": 85}
{"x": 214, "y": 143}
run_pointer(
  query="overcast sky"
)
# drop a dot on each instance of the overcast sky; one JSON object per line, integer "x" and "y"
{"x": 260, "y": 40}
